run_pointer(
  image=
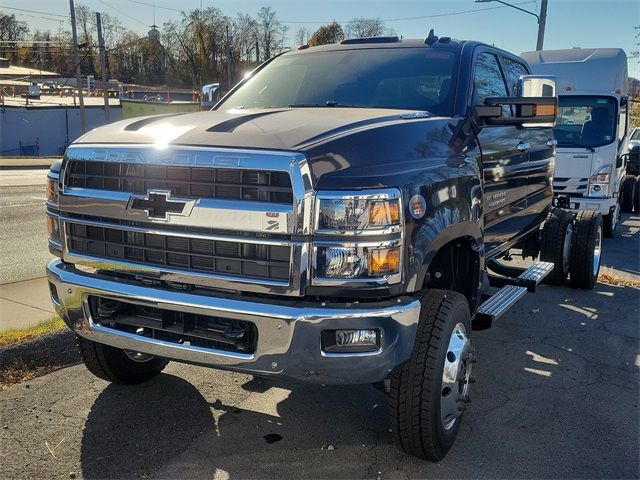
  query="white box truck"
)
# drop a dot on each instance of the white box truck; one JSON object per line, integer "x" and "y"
{"x": 591, "y": 128}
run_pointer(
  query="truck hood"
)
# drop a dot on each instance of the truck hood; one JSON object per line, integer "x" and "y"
{"x": 581, "y": 163}
{"x": 278, "y": 129}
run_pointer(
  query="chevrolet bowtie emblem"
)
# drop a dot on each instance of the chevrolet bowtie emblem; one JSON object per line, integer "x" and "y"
{"x": 159, "y": 204}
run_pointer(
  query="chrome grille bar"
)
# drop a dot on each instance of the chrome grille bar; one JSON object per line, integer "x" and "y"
{"x": 250, "y": 247}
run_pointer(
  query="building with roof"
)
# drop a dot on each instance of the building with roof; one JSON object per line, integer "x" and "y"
{"x": 11, "y": 75}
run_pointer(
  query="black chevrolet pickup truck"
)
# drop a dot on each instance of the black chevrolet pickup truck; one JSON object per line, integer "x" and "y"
{"x": 346, "y": 214}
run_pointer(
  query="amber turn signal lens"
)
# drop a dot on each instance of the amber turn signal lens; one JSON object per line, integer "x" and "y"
{"x": 51, "y": 189}
{"x": 384, "y": 213}
{"x": 544, "y": 110}
{"x": 384, "y": 261}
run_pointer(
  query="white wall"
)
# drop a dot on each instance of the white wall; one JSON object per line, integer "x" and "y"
{"x": 48, "y": 125}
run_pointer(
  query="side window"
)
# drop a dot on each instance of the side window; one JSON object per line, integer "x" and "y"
{"x": 622, "y": 122}
{"x": 488, "y": 80}
{"x": 513, "y": 71}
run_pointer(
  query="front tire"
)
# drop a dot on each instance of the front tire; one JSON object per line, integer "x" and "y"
{"x": 636, "y": 198}
{"x": 555, "y": 244}
{"x": 428, "y": 393}
{"x": 119, "y": 366}
{"x": 586, "y": 249}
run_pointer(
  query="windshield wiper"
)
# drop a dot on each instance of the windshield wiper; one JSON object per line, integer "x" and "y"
{"x": 328, "y": 103}
{"x": 575, "y": 144}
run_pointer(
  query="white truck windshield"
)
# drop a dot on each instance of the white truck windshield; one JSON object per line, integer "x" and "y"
{"x": 587, "y": 121}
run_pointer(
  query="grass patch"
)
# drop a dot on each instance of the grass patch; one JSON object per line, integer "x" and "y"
{"x": 17, "y": 335}
{"x": 610, "y": 276}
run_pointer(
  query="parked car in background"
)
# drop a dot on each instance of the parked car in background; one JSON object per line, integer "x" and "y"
{"x": 592, "y": 128}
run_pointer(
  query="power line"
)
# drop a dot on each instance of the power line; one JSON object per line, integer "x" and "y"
{"x": 122, "y": 13}
{"x": 155, "y": 6}
{"x": 436, "y": 15}
{"x": 38, "y": 16}
{"x": 35, "y": 11}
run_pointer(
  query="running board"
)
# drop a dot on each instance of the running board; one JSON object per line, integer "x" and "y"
{"x": 529, "y": 278}
{"x": 497, "y": 305}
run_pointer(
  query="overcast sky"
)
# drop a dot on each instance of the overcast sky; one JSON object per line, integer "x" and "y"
{"x": 570, "y": 23}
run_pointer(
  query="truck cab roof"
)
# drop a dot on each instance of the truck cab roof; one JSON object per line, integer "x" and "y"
{"x": 580, "y": 71}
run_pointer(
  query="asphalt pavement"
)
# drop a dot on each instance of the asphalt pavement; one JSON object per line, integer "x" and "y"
{"x": 24, "y": 293}
{"x": 556, "y": 397}
{"x": 23, "y": 225}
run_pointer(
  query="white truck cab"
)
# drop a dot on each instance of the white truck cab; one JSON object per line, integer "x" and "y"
{"x": 591, "y": 127}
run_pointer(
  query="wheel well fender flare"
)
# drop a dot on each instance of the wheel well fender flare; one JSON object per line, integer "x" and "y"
{"x": 467, "y": 231}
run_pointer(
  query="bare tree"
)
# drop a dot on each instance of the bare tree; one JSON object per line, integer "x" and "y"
{"x": 302, "y": 36}
{"x": 271, "y": 33}
{"x": 361, "y": 27}
{"x": 11, "y": 30}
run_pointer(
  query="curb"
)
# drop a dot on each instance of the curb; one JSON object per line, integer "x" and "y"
{"x": 54, "y": 349}
{"x": 21, "y": 163}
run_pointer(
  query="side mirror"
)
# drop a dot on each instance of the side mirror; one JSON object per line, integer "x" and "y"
{"x": 536, "y": 105}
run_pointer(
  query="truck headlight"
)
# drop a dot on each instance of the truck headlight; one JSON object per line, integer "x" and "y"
{"x": 53, "y": 228}
{"x": 342, "y": 253}
{"x": 599, "y": 182}
{"x": 361, "y": 212}
{"x": 356, "y": 262}
{"x": 52, "y": 189}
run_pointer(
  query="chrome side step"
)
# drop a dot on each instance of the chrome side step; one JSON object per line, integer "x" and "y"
{"x": 497, "y": 305}
{"x": 537, "y": 272}
{"x": 529, "y": 278}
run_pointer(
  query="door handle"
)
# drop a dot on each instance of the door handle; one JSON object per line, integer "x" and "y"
{"x": 552, "y": 142}
{"x": 523, "y": 146}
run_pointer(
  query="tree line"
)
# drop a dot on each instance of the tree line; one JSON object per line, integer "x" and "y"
{"x": 199, "y": 47}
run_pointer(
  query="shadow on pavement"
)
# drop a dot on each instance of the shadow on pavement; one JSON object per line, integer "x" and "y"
{"x": 131, "y": 431}
{"x": 550, "y": 378}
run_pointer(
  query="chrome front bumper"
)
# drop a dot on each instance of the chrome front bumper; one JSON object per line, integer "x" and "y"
{"x": 289, "y": 331}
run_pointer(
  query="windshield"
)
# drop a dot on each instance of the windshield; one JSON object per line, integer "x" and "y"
{"x": 585, "y": 121}
{"x": 403, "y": 78}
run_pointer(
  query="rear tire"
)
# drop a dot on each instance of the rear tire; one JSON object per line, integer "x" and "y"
{"x": 555, "y": 244}
{"x": 119, "y": 366}
{"x": 586, "y": 249}
{"x": 636, "y": 198}
{"x": 610, "y": 222}
{"x": 627, "y": 193}
{"x": 426, "y": 399}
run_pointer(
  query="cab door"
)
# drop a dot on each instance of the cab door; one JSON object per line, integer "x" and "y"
{"x": 541, "y": 151}
{"x": 505, "y": 158}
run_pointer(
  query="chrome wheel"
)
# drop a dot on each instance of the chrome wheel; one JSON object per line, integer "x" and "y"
{"x": 138, "y": 356}
{"x": 597, "y": 250}
{"x": 454, "y": 392}
{"x": 566, "y": 247}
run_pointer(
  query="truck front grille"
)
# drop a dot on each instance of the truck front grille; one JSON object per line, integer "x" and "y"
{"x": 573, "y": 186}
{"x": 229, "y": 258}
{"x": 183, "y": 181}
{"x": 183, "y": 328}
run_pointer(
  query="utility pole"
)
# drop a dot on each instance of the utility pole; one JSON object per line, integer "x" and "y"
{"x": 542, "y": 20}
{"x": 103, "y": 68}
{"x": 76, "y": 59}
{"x": 229, "y": 73}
